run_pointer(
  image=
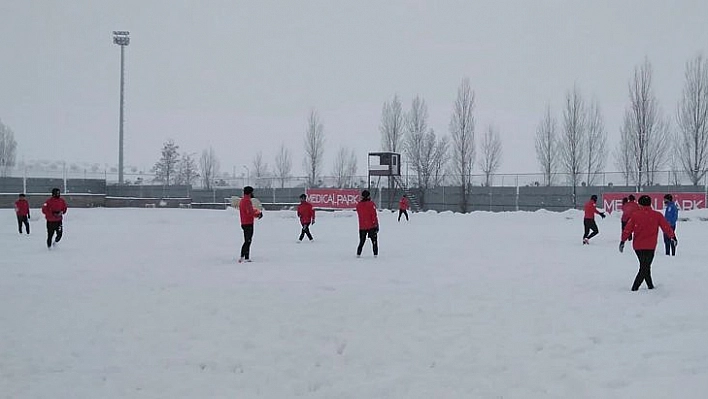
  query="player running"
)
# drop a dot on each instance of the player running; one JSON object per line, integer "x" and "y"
{"x": 368, "y": 223}
{"x": 589, "y": 219}
{"x": 306, "y": 213}
{"x": 54, "y": 209}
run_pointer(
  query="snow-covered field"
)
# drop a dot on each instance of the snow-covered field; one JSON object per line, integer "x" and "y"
{"x": 150, "y": 303}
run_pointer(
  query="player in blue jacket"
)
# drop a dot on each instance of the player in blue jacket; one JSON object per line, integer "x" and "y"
{"x": 671, "y": 216}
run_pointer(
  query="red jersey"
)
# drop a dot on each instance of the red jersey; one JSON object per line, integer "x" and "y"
{"x": 54, "y": 209}
{"x": 403, "y": 204}
{"x": 645, "y": 224}
{"x": 591, "y": 210}
{"x": 627, "y": 210}
{"x": 22, "y": 207}
{"x": 246, "y": 210}
{"x": 306, "y": 212}
{"x": 366, "y": 210}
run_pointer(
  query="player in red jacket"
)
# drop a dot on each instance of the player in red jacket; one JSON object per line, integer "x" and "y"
{"x": 368, "y": 223}
{"x": 645, "y": 223}
{"x": 306, "y": 213}
{"x": 589, "y": 219}
{"x": 627, "y": 209}
{"x": 54, "y": 209}
{"x": 403, "y": 206}
{"x": 22, "y": 210}
{"x": 248, "y": 215}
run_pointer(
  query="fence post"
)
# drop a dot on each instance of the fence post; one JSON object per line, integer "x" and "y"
{"x": 380, "y": 193}
{"x": 24, "y": 180}
{"x": 517, "y": 193}
{"x": 443, "y": 199}
{"x": 64, "y": 173}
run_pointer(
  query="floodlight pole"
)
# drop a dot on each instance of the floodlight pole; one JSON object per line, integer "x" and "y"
{"x": 248, "y": 175}
{"x": 122, "y": 39}
{"x": 368, "y": 172}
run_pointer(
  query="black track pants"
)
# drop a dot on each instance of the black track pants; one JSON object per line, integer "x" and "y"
{"x": 373, "y": 235}
{"x": 402, "y": 212}
{"x": 54, "y": 228}
{"x": 305, "y": 231}
{"x": 22, "y": 221}
{"x": 645, "y": 256}
{"x": 590, "y": 225}
{"x": 247, "y": 238}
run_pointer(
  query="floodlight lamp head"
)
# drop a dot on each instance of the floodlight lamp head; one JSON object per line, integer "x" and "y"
{"x": 121, "y": 37}
{"x": 121, "y": 40}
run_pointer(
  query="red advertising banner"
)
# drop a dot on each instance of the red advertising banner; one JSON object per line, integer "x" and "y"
{"x": 685, "y": 201}
{"x": 333, "y": 198}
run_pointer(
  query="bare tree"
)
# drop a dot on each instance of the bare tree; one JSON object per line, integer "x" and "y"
{"x": 644, "y": 127}
{"x": 8, "y": 149}
{"x": 692, "y": 118}
{"x": 314, "y": 148}
{"x": 339, "y": 170}
{"x": 432, "y": 162}
{"x": 624, "y": 155}
{"x": 491, "y": 154}
{"x": 187, "y": 171}
{"x": 462, "y": 133}
{"x": 596, "y": 144}
{"x": 660, "y": 150}
{"x": 573, "y": 138}
{"x": 352, "y": 167}
{"x": 283, "y": 165}
{"x": 427, "y": 154}
{"x": 260, "y": 171}
{"x": 416, "y": 135}
{"x": 209, "y": 165}
{"x": 392, "y": 126}
{"x": 166, "y": 168}
{"x": 547, "y": 146}
{"x": 345, "y": 167}
{"x": 438, "y": 161}
{"x": 675, "y": 164}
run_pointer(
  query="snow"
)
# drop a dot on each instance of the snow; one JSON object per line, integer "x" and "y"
{"x": 150, "y": 303}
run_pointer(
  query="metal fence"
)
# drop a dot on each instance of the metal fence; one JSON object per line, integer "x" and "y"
{"x": 505, "y": 192}
{"x": 441, "y": 198}
{"x": 38, "y": 185}
{"x": 62, "y": 172}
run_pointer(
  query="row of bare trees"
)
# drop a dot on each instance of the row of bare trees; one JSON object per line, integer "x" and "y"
{"x": 575, "y": 147}
{"x": 578, "y": 148}
{"x": 174, "y": 167}
{"x": 314, "y": 144}
{"x": 423, "y": 149}
{"x": 692, "y": 120}
{"x": 432, "y": 158}
{"x": 407, "y": 132}
{"x": 647, "y": 140}
{"x": 8, "y": 149}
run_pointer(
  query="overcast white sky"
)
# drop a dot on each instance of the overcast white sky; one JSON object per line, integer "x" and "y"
{"x": 242, "y": 75}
